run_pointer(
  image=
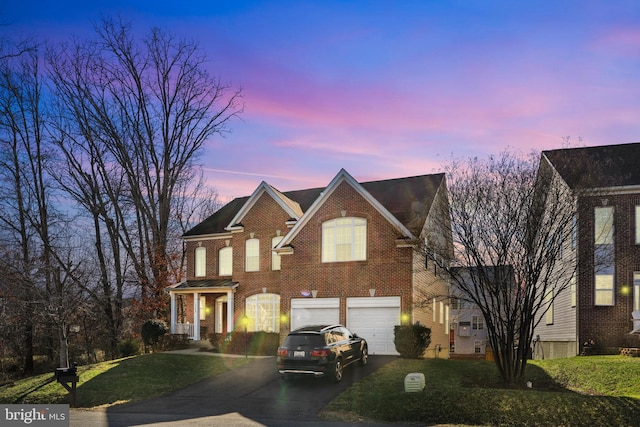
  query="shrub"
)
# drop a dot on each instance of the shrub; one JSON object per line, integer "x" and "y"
{"x": 129, "y": 347}
{"x": 411, "y": 341}
{"x": 175, "y": 341}
{"x": 152, "y": 330}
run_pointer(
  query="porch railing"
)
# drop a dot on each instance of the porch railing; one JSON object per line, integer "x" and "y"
{"x": 185, "y": 328}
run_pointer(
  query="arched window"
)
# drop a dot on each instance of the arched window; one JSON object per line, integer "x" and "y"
{"x": 275, "y": 258}
{"x": 252, "y": 255}
{"x": 263, "y": 312}
{"x": 344, "y": 239}
{"x": 225, "y": 261}
{"x": 201, "y": 262}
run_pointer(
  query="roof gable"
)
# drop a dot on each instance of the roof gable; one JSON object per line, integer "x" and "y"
{"x": 292, "y": 208}
{"x": 343, "y": 176}
{"x": 603, "y": 166}
{"x": 406, "y": 201}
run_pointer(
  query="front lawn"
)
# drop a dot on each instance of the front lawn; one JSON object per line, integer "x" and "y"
{"x": 581, "y": 391}
{"x": 122, "y": 380}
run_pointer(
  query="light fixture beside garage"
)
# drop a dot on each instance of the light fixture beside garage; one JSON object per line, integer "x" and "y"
{"x": 372, "y": 292}
{"x": 314, "y": 292}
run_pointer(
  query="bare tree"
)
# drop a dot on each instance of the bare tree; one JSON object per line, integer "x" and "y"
{"x": 140, "y": 112}
{"x": 510, "y": 221}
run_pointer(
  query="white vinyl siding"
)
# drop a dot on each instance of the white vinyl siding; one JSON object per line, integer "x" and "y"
{"x": 344, "y": 239}
{"x": 201, "y": 262}
{"x": 225, "y": 261}
{"x": 252, "y": 255}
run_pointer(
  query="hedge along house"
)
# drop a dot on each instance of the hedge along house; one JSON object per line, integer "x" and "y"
{"x": 346, "y": 253}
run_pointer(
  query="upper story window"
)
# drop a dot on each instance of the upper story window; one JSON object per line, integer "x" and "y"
{"x": 275, "y": 258}
{"x": 604, "y": 256}
{"x": 225, "y": 261}
{"x": 477, "y": 323}
{"x": 201, "y": 262}
{"x": 344, "y": 239}
{"x": 252, "y": 255}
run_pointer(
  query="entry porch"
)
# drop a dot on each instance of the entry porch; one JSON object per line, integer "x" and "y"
{"x": 201, "y": 307}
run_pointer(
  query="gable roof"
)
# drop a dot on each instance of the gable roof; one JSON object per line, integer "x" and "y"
{"x": 603, "y": 166}
{"x": 406, "y": 201}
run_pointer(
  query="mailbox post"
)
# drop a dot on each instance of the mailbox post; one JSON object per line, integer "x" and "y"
{"x": 68, "y": 378}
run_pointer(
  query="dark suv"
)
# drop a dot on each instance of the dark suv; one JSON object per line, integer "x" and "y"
{"x": 321, "y": 350}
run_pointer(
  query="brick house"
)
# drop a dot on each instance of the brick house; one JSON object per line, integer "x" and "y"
{"x": 345, "y": 253}
{"x": 602, "y": 302}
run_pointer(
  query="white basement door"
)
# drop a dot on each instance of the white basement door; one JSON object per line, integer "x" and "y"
{"x": 314, "y": 311}
{"x": 374, "y": 319}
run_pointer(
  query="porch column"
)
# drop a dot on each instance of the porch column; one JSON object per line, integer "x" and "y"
{"x": 174, "y": 312}
{"x": 196, "y": 316}
{"x": 230, "y": 311}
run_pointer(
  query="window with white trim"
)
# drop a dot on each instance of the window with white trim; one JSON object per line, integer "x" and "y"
{"x": 203, "y": 308}
{"x": 636, "y": 291}
{"x": 477, "y": 323}
{"x": 200, "y": 262}
{"x": 441, "y": 312}
{"x": 573, "y": 291}
{"x": 344, "y": 239}
{"x": 637, "y": 224}
{"x": 477, "y": 346}
{"x": 263, "y": 312}
{"x": 275, "y": 258}
{"x": 604, "y": 256}
{"x": 252, "y": 255}
{"x": 548, "y": 316}
{"x": 225, "y": 261}
{"x": 434, "y": 310}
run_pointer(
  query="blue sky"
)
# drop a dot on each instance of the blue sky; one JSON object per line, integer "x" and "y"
{"x": 387, "y": 89}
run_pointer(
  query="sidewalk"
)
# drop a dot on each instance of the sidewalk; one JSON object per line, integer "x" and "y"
{"x": 204, "y": 348}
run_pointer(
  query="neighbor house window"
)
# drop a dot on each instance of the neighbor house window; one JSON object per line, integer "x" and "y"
{"x": 201, "y": 262}
{"x": 225, "y": 261}
{"x": 446, "y": 319}
{"x": 604, "y": 256}
{"x": 344, "y": 239}
{"x": 263, "y": 313}
{"x": 441, "y": 312}
{"x": 252, "y": 255}
{"x": 477, "y": 322}
{"x": 477, "y": 347}
{"x": 636, "y": 291}
{"x": 637, "y": 224}
{"x": 435, "y": 309}
{"x": 275, "y": 258}
{"x": 549, "y": 303}
{"x": 573, "y": 292}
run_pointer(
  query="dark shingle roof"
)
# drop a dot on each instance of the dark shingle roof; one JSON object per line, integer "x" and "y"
{"x": 598, "y": 167}
{"x": 408, "y": 199}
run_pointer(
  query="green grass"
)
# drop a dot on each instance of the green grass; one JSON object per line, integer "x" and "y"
{"x": 122, "y": 380}
{"x": 581, "y": 391}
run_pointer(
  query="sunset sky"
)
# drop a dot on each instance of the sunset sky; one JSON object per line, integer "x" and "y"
{"x": 388, "y": 89}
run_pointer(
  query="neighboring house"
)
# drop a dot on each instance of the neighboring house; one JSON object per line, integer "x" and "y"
{"x": 599, "y": 308}
{"x": 345, "y": 253}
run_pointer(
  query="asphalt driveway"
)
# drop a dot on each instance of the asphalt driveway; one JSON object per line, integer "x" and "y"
{"x": 252, "y": 395}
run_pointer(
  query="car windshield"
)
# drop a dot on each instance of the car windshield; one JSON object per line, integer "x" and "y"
{"x": 304, "y": 340}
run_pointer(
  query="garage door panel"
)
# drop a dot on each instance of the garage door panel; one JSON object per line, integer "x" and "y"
{"x": 318, "y": 311}
{"x": 375, "y": 322}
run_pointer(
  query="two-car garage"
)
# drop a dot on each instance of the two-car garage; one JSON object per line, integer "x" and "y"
{"x": 373, "y": 318}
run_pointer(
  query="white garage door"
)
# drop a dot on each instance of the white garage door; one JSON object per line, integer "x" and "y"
{"x": 314, "y": 311}
{"x": 374, "y": 319}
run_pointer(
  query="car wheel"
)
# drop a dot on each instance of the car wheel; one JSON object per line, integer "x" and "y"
{"x": 337, "y": 371}
{"x": 364, "y": 358}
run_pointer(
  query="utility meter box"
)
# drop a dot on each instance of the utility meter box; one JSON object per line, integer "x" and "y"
{"x": 414, "y": 382}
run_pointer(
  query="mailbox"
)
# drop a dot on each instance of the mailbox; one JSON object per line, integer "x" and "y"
{"x": 68, "y": 375}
